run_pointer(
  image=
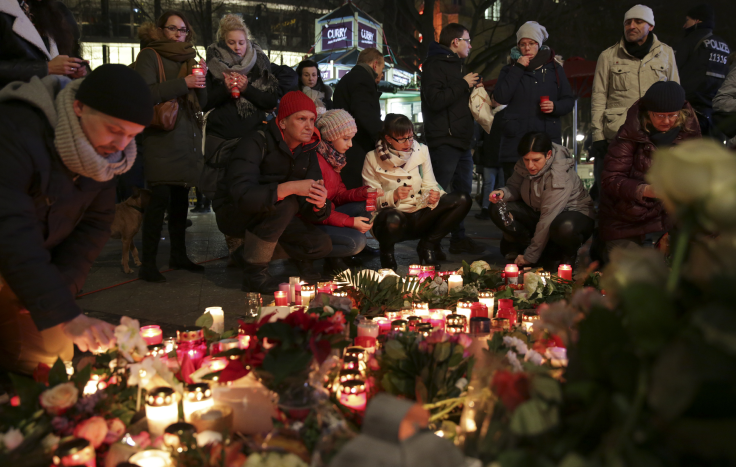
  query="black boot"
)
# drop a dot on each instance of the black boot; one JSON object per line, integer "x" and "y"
{"x": 369, "y": 252}
{"x": 439, "y": 253}
{"x": 178, "y": 258}
{"x": 388, "y": 260}
{"x": 483, "y": 215}
{"x": 427, "y": 255}
{"x": 151, "y": 234}
{"x": 150, "y": 273}
{"x": 307, "y": 271}
{"x": 334, "y": 266}
{"x": 256, "y": 278}
{"x": 183, "y": 262}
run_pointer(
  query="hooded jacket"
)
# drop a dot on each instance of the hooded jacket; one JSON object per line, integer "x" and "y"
{"x": 622, "y": 79}
{"x": 53, "y": 222}
{"x": 445, "y": 99}
{"x": 701, "y": 61}
{"x": 256, "y": 167}
{"x": 556, "y": 188}
{"x": 624, "y": 213}
{"x": 521, "y": 91}
{"x": 170, "y": 157}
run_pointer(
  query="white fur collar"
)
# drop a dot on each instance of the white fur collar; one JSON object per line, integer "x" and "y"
{"x": 23, "y": 27}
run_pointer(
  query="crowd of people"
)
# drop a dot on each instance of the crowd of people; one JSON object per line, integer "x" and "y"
{"x": 290, "y": 164}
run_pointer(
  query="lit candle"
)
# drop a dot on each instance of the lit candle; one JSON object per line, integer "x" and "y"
{"x": 169, "y": 345}
{"x": 180, "y": 437}
{"x": 151, "y": 458}
{"x": 487, "y": 298}
{"x": 243, "y": 341}
{"x": 307, "y": 294}
{"x": 293, "y": 283}
{"x": 197, "y": 396}
{"x": 152, "y": 334}
{"x": 464, "y": 308}
{"x": 224, "y": 345}
{"x": 412, "y": 322}
{"x": 512, "y": 274}
{"x": 76, "y": 452}
{"x": 415, "y": 269}
{"x": 421, "y": 309}
{"x": 353, "y": 363}
{"x": 528, "y": 320}
{"x": 384, "y": 273}
{"x": 425, "y": 329}
{"x": 218, "y": 319}
{"x": 399, "y": 325}
{"x": 349, "y": 375}
{"x": 565, "y": 272}
{"x": 545, "y": 277}
{"x": 450, "y": 329}
{"x": 95, "y": 382}
{"x": 393, "y": 315}
{"x": 478, "y": 309}
{"x": 324, "y": 287}
{"x": 162, "y": 410}
{"x": 368, "y": 328}
{"x": 437, "y": 319}
{"x": 340, "y": 294}
{"x": 352, "y": 394}
{"x": 455, "y": 282}
{"x": 357, "y": 352}
{"x": 219, "y": 417}
{"x": 455, "y": 320}
{"x": 280, "y": 298}
{"x": 384, "y": 325}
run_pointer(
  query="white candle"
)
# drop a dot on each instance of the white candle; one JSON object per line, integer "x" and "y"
{"x": 307, "y": 294}
{"x": 151, "y": 458}
{"x": 463, "y": 308}
{"x": 455, "y": 281}
{"x": 197, "y": 397}
{"x": 293, "y": 281}
{"x": 488, "y": 299}
{"x": 162, "y": 410}
{"x": 218, "y": 319}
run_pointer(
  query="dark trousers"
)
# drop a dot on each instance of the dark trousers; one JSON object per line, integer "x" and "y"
{"x": 346, "y": 241}
{"x": 568, "y": 232}
{"x": 453, "y": 170}
{"x": 599, "y": 151}
{"x": 202, "y": 200}
{"x": 175, "y": 199}
{"x": 301, "y": 240}
{"x": 430, "y": 225}
{"x": 508, "y": 171}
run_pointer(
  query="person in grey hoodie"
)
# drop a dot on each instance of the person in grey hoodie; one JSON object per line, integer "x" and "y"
{"x": 552, "y": 212}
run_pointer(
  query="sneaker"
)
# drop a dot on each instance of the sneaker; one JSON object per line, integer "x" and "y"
{"x": 466, "y": 245}
{"x": 483, "y": 215}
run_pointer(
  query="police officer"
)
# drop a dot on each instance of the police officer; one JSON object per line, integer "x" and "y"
{"x": 701, "y": 58}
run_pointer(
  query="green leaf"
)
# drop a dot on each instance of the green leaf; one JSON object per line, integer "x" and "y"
{"x": 57, "y": 374}
{"x": 675, "y": 381}
{"x": 546, "y": 388}
{"x": 81, "y": 377}
{"x": 650, "y": 314}
{"x": 229, "y": 334}
{"x": 601, "y": 335}
{"x": 277, "y": 331}
{"x": 205, "y": 321}
{"x": 395, "y": 350}
{"x": 442, "y": 351}
{"x": 533, "y": 417}
{"x": 286, "y": 363}
{"x": 28, "y": 390}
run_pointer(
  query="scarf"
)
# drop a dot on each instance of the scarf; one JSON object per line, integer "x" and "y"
{"x": 639, "y": 51}
{"x": 315, "y": 95}
{"x": 663, "y": 139}
{"x": 540, "y": 59}
{"x": 334, "y": 158}
{"x": 392, "y": 156}
{"x": 220, "y": 59}
{"x": 184, "y": 53}
{"x": 74, "y": 148}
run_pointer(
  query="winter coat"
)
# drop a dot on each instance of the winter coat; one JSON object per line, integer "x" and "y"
{"x": 624, "y": 213}
{"x": 490, "y": 150}
{"x": 23, "y": 52}
{"x": 622, "y": 79}
{"x": 521, "y": 90}
{"x": 262, "y": 92}
{"x": 701, "y": 61}
{"x": 257, "y": 165}
{"x": 445, "y": 99}
{"x": 171, "y": 157}
{"x": 286, "y": 75}
{"x": 725, "y": 100}
{"x": 357, "y": 93}
{"x": 416, "y": 173}
{"x": 339, "y": 195}
{"x": 556, "y": 188}
{"x": 53, "y": 223}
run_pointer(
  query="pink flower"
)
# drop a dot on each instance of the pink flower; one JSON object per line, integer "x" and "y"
{"x": 142, "y": 440}
{"x": 59, "y": 399}
{"x": 437, "y": 337}
{"x": 93, "y": 430}
{"x": 115, "y": 430}
{"x": 464, "y": 340}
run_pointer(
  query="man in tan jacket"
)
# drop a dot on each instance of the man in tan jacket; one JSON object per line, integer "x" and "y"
{"x": 624, "y": 72}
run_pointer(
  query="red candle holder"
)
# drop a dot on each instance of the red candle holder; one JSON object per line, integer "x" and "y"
{"x": 565, "y": 272}
{"x": 280, "y": 299}
{"x": 152, "y": 334}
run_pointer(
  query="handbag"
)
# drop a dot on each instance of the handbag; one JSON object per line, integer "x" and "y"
{"x": 164, "y": 114}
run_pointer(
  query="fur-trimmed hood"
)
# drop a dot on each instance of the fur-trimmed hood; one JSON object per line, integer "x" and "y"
{"x": 23, "y": 27}
{"x": 148, "y": 32}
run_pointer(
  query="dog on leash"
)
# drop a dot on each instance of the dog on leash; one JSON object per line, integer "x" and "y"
{"x": 127, "y": 222}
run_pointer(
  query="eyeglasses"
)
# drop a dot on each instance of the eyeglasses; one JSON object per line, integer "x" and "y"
{"x": 671, "y": 116}
{"x": 463, "y": 39}
{"x": 174, "y": 29}
{"x": 403, "y": 140}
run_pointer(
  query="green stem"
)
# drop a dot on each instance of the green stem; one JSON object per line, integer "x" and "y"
{"x": 683, "y": 239}
{"x": 444, "y": 412}
{"x": 443, "y": 402}
{"x": 639, "y": 399}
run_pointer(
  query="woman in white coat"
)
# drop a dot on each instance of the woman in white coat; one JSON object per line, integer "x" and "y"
{"x": 413, "y": 205}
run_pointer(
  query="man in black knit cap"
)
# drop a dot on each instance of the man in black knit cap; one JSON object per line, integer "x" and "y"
{"x": 701, "y": 58}
{"x": 63, "y": 143}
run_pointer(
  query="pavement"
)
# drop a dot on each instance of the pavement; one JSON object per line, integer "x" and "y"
{"x": 109, "y": 293}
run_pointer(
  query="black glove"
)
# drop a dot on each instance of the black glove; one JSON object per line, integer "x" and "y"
{"x": 600, "y": 148}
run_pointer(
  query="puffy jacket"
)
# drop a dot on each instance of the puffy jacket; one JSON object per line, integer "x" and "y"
{"x": 416, "y": 173}
{"x": 701, "y": 61}
{"x": 622, "y": 79}
{"x": 339, "y": 195}
{"x": 556, "y": 188}
{"x": 53, "y": 223}
{"x": 624, "y": 213}
{"x": 521, "y": 90}
{"x": 257, "y": 165}
{"x": 445, "y": 99}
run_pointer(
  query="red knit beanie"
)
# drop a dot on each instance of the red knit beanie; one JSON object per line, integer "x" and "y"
{"x": 293, "y": 102}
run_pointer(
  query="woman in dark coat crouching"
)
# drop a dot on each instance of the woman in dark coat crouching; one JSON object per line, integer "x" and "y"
{"x": 629, "y": 209}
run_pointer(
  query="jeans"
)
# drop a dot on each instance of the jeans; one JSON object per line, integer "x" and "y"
{"x": 346, "y": 241}
{"x": 492, "y": 178}
{"x": 453, "y": 168}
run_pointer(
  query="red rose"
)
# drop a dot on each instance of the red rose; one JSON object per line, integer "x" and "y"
{"x": 115, "y": 430}
{"x": 41, "y": 373}
{"x": 511, "y": 388}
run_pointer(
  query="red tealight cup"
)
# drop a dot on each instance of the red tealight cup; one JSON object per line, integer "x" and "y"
{"x": 543, "y": 99}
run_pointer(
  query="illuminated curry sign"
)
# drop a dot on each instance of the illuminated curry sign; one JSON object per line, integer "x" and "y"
{"x": 337, "y": 36}
{"x": 366, "y": 36}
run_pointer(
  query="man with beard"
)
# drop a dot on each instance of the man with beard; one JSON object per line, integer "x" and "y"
{"x": 624, "y": 73}
{"x": 63, "y": 143}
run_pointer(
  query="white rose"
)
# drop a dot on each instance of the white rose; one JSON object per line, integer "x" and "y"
{"x": 532, "y": 282}
{"x": 461, "y": 383}
{"x": 514, "y": 361}
{"x": 534, "y": 357}
{"x": 59, "y": 399}
{"x": 557, "y": 356}
{"x": 129, "y": 339}
{"x": 12, "y": 438}
{"x": 479, "y": 267}
{"x": 141, "y": 373}
{"x": 634, "y": 265}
